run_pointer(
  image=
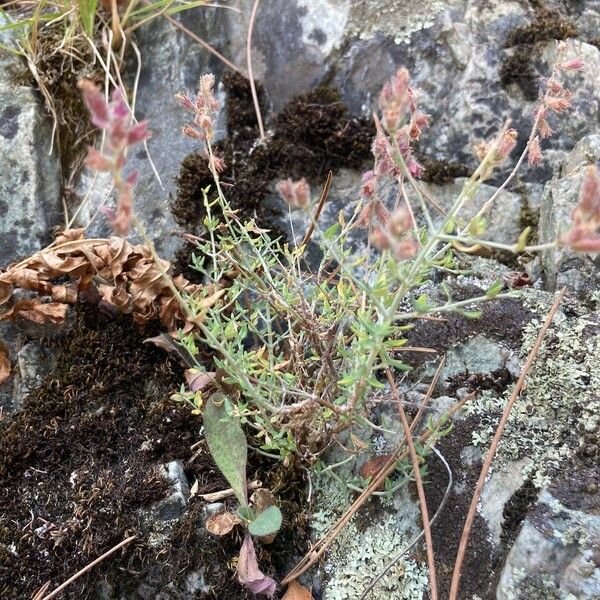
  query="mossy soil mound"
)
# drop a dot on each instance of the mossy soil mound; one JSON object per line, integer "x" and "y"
{"x": 79, "y": 473}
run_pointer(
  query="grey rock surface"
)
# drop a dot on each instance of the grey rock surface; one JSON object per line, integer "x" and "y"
{"x": 555, "y": 555}
{"x": 30, "y": 177}
{"x": 562, "y": 266}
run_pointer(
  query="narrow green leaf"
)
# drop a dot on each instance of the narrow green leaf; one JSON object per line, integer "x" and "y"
{"x": 87, "y": 12}
{"x": 227, "y": 444}
{"x": 267, "y": 522}
{"x": 494, "y": 289}
{"x": 522, "y": 241}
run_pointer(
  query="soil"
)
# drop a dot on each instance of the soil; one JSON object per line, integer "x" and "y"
{"x": 502, "y": 320}
{"x": 482, "y": 564}
{"x": 78, "y": 474}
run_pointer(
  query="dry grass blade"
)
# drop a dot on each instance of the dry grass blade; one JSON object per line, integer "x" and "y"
{"x": 89, "y": 567}
{"x": 318, "y": 210}
{"x": 420, "y": 489}
{"x": 40, "y": 593}
{"x": 261, "y": 127}
{"x": 321, "y": 546}
{"x": 464, "y": 540}
{"x": 205, "y": 45}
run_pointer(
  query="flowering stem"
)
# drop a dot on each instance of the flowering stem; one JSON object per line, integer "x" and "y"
{"x": 490, "y": 244}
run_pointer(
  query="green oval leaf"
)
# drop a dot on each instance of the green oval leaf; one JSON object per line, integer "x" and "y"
{"x": 267, "y": 522}
{"x": 227, "y": 444}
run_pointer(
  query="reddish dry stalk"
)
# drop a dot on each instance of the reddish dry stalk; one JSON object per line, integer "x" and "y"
{"x": 464, "y": 539}
{"x": 320, "y": 205}
{"x": 87, "y": 568}
{"x": 420, "y": 489}
{"x": 261, "y": 128}
{"x": 206, "y": 45}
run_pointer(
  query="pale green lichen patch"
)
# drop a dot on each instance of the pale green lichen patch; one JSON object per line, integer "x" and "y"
{"x": 367, "y": 544}
{"x": 396, "y": 19}
{"x": 562, "y": 395}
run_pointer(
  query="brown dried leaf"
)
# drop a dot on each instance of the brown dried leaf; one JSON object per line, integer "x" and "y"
{"x": 222, "y": 523}
{"x": 37, "y": 311}
{"x": 373, "y": 467}
{"x": 296, "y": 591}
{"x": 66, "y": 294}
{"x": 261, "y": 499}
{"x": 4, "y": 362}
{"x": 69, "y": 235}
{"x": 6, "y": 290}
{"x": 198, "y": 380}
{"x": 248, "y": 573}
{"x": 63, "y": 262}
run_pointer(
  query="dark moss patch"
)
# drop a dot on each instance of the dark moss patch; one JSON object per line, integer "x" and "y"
{"x": 517, "y": 67}
{"x": 515, "y": 511}
{"x": 547, "y": 25}
{"x": 78, "y": 474}
{"x": 312, "y": 135}
{"x": 441, "y": 171}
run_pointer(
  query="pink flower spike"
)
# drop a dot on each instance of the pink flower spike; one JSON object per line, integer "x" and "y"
{"x": 96, "y": 161}
{"x": 138, "y": 133}
{"x": 534, "y": 153}
{"x": 575, "y": 64}
{"x": 95, "y": 103}
{"x": 248, "y": 573}
{"x": 295, "y": 193}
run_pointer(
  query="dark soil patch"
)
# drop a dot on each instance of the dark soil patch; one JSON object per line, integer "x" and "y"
{"x": 502, "y": 320}
{"x": 517, "y": 67}
{"x": 515, "y": 511}
{"x": 78, "y": 474}
{"x": 481, "y": 563}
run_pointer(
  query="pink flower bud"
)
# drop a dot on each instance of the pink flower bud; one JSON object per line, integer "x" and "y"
{"x": 138, "y": 133}
{"x": 507, "y": 143}
{"x": 369, "y": 182}
{"x": 575, "y": 64}
{"x": 95, "y": 103}
{"x": 534, "y": 152}
{"x": 97, "y": 161}
{"x": 400, "y": 221}
{"x": 557, "y": 104}
{"x": 190, "y": 132}
{"x": 405, "y": 248}
{"x": 295, "y": 193}
{"x": 380, "y": 239}
{"x": 185, "y": 101}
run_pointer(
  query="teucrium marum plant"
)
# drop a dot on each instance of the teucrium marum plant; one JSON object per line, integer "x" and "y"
{"x": 300, "y": 351}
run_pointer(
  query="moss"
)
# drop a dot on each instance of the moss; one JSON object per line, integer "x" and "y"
{"x": 441, "y": 171}
{"x": 529, "y": 217}
{"x": 517, "y": 66}
{"x": 78, "y": 474}
{"x": 313, "y": 134}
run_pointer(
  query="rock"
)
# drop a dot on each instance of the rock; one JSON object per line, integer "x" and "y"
{"x": 174, "y": 505}
{"x": 555, "y": 554}
{"x": 30, "y": 179}
{"x": 171, "y": 62}
{"x": 34, "y": 363}
{"x": 562, "y": 266}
